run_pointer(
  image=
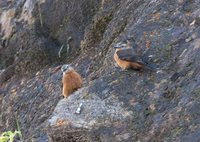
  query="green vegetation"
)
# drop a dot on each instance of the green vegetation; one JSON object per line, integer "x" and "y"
{"x": 9, "y": 136}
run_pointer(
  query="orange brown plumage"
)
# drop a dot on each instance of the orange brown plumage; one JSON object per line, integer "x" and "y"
{"x": 126, "y": 64}
{"x": 71, "y": 80}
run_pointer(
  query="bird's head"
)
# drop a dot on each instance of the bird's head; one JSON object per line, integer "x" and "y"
{"x": 119, "y": 45}
{"x": 66, "y": 68}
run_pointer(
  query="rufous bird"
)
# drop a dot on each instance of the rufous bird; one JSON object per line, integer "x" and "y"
{"x": 126, "y": 57}
{"x": 71, "y": 80}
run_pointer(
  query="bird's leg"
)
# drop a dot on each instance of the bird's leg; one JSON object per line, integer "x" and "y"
{"x": 120, "y": 69}
{"x": 124, "y": 70}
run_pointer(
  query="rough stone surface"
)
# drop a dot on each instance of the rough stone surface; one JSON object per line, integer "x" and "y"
{"x": 33, "y": 31}
{"x": 117, "y": 105}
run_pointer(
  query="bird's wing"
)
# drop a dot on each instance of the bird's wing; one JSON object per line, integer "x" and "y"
{"x": 128, "y": 55}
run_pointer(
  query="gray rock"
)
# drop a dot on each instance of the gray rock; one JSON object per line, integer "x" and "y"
{"x": 96, "y": 112}
{"x": 117, "y": 105}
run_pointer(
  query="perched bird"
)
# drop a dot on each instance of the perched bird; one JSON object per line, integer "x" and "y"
{"x": 126, "y": 57}
{"x": 71, "y": 80}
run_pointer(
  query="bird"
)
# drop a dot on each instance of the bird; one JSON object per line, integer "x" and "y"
{"x": 126, "y": 56}
{"x": 71, "y": 80}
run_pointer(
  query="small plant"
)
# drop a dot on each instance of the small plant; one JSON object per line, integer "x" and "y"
{"x": 9, "y": 136}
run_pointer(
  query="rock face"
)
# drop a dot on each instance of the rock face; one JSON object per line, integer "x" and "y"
{"x": 33, "y": 31}
{"x": 117, "y": 106}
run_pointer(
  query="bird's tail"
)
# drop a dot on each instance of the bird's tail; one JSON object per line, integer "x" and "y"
{"x": 150, "y": 67}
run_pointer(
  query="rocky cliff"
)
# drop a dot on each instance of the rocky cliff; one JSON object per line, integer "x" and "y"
{"x": 117, "y": 105}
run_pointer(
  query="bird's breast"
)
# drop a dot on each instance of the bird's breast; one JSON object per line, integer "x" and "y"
{"x": 123, "y": 64}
